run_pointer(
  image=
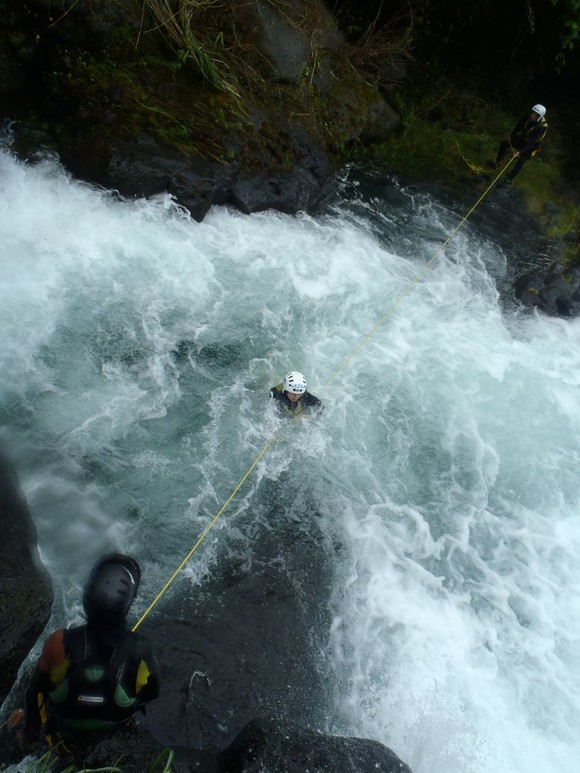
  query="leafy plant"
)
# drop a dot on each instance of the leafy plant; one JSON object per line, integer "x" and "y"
{"x": 51, "y": 758}
{"x": 570, "y": 28}
{"x": 178, "y": 28}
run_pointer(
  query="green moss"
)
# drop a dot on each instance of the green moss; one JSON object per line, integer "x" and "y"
{"x": 146, "y": 95}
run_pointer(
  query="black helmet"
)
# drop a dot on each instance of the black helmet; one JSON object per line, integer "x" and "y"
{"x": 111, "y": 589}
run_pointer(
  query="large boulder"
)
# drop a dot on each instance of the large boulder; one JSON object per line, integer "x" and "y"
{"x": 249, "y": 641}
{"x": 243, "y": 654}
{"x": 144, "y": 168}
{"x": 25, "y": 586}
{"x": 281, "y": 746}
{"x": 297, "y": 41}
{"x": 298, "y": 188}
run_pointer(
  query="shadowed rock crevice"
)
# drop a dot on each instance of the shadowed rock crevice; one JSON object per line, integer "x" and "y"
{"x": 25, "y": 585}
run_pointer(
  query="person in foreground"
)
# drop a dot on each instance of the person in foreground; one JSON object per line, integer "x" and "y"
{"x": 525, "y": 141}
{"x": 292, "y": 396}
{"x": 94, "y": 677}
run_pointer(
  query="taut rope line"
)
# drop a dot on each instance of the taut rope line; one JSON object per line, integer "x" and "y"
{"x": 414, "y": 282}
{"x": 204, "y": 534}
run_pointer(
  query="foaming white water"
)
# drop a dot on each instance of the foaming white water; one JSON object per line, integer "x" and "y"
{"x": 138, "y": 351}
{"x": 459, "y": 638}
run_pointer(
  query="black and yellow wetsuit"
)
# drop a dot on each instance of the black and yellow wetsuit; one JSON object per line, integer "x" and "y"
{"x": 100, "y": 682}
{"x": 306, "y": 404}
{"x": 526, "y": 137}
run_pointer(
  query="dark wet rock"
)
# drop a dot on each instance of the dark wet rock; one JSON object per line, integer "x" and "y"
{"x": 25, "y": 586}
{"x": 144, "y": 168}
{"x": 249, "y": 642}
{"x": 298, "y": 188}
{"x": 527, "y": 289}
{"x": 284, "y": 191}
{"x": 254, "y": 194}
{"x": 288, "y": 36}
{"x": 358, "y": 113}
{"x": 135, "y": 750}
{"x": 554, "y": 291}
{"x": 286, "y": 46}
{"x": 551, "y": 208}
{"x": 280, "y": 746}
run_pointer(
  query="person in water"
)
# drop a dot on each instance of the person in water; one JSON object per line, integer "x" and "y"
{"x": 292, "y": 396}
{"x": 94, "y": 677}
{"x": 525, "y": 141}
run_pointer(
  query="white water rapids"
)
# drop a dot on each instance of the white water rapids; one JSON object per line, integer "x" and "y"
{"x": 138, "y": 347}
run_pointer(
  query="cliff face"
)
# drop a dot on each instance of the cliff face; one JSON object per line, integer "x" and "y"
{"x": 25, "y": 586}
{"x": 244, "y": 102}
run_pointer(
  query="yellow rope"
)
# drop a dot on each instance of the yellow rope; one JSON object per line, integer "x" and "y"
{"x": 206, "y": 531}
{"x": 472, "y": 167}
{"x": 415, "y": 281}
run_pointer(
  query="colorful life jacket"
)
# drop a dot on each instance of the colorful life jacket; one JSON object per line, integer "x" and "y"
{"x": 93, "y": 695}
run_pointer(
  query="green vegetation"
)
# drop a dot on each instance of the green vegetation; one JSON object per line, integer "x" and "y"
{"x": 180, "y": 28}
{"x": 447, "y": 134}
{"x": 570, "y": 29}
{"x": 51, "y": 759}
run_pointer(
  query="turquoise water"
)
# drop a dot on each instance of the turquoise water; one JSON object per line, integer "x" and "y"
{"x": 138, "y": 349}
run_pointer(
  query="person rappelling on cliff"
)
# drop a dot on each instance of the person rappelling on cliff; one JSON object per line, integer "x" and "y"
{"x": 525, "y": 141}
{"x": 293, "y": 398}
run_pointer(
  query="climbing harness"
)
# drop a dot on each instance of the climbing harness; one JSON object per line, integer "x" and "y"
{"x": 403, "y": 294}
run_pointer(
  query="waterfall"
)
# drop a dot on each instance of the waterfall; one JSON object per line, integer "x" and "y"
{"x": 138, "y": 350}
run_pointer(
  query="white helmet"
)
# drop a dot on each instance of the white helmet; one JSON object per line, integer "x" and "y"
{"x": 295, "y": 383}
{"x": 540, "y": 110}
